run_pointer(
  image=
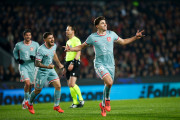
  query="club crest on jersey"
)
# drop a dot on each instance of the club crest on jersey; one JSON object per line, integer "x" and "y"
{"x": 109, "y": 39}
{"x": 31, "y": 48}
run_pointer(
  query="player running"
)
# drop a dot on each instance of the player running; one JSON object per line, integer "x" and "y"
{"x": 46, "y": 72}
{"x": 24, "y": 53}
{"x": 73, "y": 67}
{"x": 103, "y": 43}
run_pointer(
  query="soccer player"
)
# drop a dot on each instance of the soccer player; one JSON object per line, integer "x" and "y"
{"x": 72, "y": 67}
{"x": 46, "y": 72}
{"x": 24, "y": 53}
{"x": 103, "y": 43}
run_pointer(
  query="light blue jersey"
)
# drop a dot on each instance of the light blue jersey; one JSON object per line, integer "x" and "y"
{"x": 23, "y": 51}
{"x": 104, "y": 56}
{"x": 45, "y": 55}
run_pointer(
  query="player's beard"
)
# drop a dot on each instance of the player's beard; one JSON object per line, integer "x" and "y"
{"x": 51, "y": 43}
{"x": 27, "y": 40}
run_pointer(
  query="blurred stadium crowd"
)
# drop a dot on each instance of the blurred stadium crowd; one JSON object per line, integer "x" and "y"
{"x": 158, "y": 54}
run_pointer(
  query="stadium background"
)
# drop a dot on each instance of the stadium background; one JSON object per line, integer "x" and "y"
{"x": 150, "y": 67}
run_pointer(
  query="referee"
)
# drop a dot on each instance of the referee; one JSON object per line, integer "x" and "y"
{"x": 73, "y": 67}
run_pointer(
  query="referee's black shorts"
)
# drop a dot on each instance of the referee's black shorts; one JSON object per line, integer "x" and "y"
{"x": 74, "y": 72}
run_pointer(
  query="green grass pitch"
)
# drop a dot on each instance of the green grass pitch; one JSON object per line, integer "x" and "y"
{"x": 140, "y": 109}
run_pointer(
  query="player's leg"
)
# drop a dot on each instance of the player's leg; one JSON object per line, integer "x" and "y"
{"x": 108, "y": 83}
{"x": 55, "y": 81}
{"x": 106, "y": 93}
{"x": 75, "y": 87}
{"x": 74, "y": 74}
{"x": 26, "y": 93}
{"x": 33, "y": 95}
{"x": 108, "y": 89}
{"x": 25, "y": 78}
{"x": 103, "y": 74}
{"x": 73, "y": 95}
{"x": 40, "y": 79}
{"x": 72, "y": 92}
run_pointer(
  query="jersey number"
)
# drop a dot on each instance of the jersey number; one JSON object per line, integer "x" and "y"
{"x": 26, "y": 54}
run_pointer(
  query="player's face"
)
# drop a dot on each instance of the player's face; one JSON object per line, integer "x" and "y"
{"x": 27, "y": 36}
{"x": 50, "y": 40}
{"x": 69, "y": 31}
{"x": 102, "y": 25}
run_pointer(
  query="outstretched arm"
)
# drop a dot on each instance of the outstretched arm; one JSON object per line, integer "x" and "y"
{"x": 129, "y": 40}
{"x": 75, "y": 49}
{"x": 56, "y": 59}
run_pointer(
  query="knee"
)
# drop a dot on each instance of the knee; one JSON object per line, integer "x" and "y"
{"x": 58, "y": 87}
{"x": 110, "y": 83}
{"x": 28, "y": 84}
{"x": 71, "y": 85}
{"x": 37, "y": 91}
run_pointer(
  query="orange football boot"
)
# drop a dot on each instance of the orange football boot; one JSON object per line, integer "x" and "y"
{"x": 58, "y": 108}
{"x": 103, "y": 110}
{"x": 30, "y": 107}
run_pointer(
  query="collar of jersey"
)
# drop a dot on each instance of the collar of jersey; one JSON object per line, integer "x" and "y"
{"x": 27, "y": 44}
{"x": 101, "y": 35}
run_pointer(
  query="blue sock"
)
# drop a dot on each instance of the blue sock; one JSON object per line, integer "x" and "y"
{"x": 57, "y": 96}
{"x": 32, "y": 97}
{"x": 107, "y": 89}
{"x": 104, "y": 96}
{"x": 26, "y": 96}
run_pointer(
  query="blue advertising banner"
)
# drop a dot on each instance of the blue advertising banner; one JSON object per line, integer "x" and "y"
{"x": 95, "y": 92}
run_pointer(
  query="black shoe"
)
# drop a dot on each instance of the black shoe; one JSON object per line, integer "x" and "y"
{"x": 81, "y": 104}
{"x": 73, "y": 106}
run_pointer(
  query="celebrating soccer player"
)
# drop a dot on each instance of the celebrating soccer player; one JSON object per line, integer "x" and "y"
{"x": 24, "y": 53}
{"x": 46, "y": 72}
{"x": 72, "y": 67}
{"x": 103, "y": 42}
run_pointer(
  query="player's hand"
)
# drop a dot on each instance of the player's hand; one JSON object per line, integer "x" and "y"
{"x": 139, "y": 34}
{"x": 51, "y": 66}
{"x": 64, "y": 72}
{"x": 67, "y": 48}
{"x": 61, "y": 66}
{"x": 70, "y": 67}
{"x": 20, "y": 61}
{"x": 32, "y": 57}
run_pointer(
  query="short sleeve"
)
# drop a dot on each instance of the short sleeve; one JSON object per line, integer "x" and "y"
{"x": 78, "y": 42}
{"x": 39, "y": 55}
{"x": 37, "y": 46}
{"x": 115, "y": 36}
{"x": 89, "y": 40}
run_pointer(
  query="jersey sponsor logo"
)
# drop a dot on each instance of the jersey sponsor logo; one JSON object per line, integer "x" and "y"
{"x": 109, "y": 39}
{"x": 31, "y": 48}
